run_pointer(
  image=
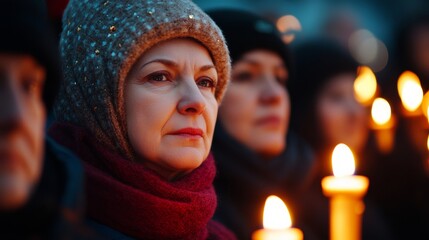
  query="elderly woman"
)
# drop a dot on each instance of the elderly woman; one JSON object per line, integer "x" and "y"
{"x": 143, "y": 81}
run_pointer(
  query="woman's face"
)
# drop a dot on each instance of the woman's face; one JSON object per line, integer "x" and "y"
{"x": 22, "y": 123}
{"x": 256, "y": 107}
{"x": 342, "y": 118}
{"x": 171, "y": 107}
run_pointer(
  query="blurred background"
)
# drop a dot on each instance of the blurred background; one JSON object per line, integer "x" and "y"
{"x": 367, "y": 27}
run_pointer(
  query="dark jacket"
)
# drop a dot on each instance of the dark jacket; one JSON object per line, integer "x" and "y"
{"x": 244, "y": 181}
{"x": 55, "y": 209}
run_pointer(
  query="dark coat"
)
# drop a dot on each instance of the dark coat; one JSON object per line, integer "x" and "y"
{"x": 244, "y": 181}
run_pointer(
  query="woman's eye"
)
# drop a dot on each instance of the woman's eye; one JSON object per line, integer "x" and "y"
{"x": 29, "y": 85}
{"x": 157, "y": 77}
{"x": 206, "y": 83}
{"x": 243, "y": 77}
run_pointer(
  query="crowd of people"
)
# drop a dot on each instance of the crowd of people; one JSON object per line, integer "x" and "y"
{"x": 159, "y": 120}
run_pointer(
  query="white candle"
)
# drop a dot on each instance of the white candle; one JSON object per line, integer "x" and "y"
{"x": 346, "y": 191}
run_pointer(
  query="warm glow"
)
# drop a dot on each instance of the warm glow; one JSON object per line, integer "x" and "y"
{"x": 343, "y": 162}
{"x": 365, "y": 85}
{"x": 381, "y": 111}
{"x": 410, "y": 91}
{"x": 427, "y": 113}
{"x": 425, "y": 104}
{"x": 276, "y": 214}
{"x": 288, "y": 25}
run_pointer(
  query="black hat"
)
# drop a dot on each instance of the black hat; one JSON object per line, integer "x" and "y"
{"x": 316, "y": 62}
{"x": 245, "y": 31}
{"x": 26, "y": 29}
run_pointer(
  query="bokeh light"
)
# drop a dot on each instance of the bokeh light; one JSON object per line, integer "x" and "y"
{"x": 288, "y": 25}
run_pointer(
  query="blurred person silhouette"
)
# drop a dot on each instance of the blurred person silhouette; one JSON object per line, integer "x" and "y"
{"x": 255, "y": 153}
{"x": 143, "y": 81}
{"x": 40, "y": 181}
{"x": 340, "y": 24}
{"x": 411, "y": 53}
{"x": 325, "y": 113}
{"x": 404, "y": 193}
{"x": 412, "y": 47}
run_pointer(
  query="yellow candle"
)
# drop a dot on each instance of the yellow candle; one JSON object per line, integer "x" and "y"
{"x": 382, "y": 123}
{"x": 277, "y": 222}
{"x": 346, "y": 191}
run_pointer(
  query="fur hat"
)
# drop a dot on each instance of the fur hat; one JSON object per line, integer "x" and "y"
{"x": 26, "y": 30}
{"x": 100, "y": 42}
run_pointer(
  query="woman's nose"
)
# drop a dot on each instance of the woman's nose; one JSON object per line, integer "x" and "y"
{"x": 191, "y": 101}
{"x": 11, "y": 109}
{"x": 271, "y": 91}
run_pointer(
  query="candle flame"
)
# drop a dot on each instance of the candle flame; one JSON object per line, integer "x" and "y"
{"x": 410, "y": 91}
{"x": 381, "y": 111}
{"x": 276, "y": 214}
{"x": 343, "y": 162}
{"x": 365, "y": 85}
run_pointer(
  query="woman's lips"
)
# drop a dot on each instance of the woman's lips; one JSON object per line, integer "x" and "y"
{"x": 189, "y": 132}
{"x": 271, "y": 120}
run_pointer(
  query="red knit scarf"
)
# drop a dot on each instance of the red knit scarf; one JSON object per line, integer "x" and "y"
{"x": 134, "y": 200}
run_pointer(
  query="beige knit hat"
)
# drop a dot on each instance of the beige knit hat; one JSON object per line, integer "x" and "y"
{"x": 100, "y": 42}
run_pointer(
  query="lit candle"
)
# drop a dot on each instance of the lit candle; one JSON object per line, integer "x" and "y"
{"x": 411, "y": 92}
{"x": 277, "y": 222}
{"x": 365, "y": 85}
{"x": 382, "y": 123}
{"x": 346, "y": 191}
{"x": 414, "y": 108}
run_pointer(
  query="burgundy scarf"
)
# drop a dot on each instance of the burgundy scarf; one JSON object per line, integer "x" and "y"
{"x": 134, "y": 200}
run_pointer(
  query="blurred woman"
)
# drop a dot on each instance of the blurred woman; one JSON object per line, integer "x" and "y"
{"x": 404, "y": 191}
{"x": 250, "y": 138}
{"x": 326, "y": 113}
{"x": 324, "y": 109}
{"x": 143, "y": 81}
